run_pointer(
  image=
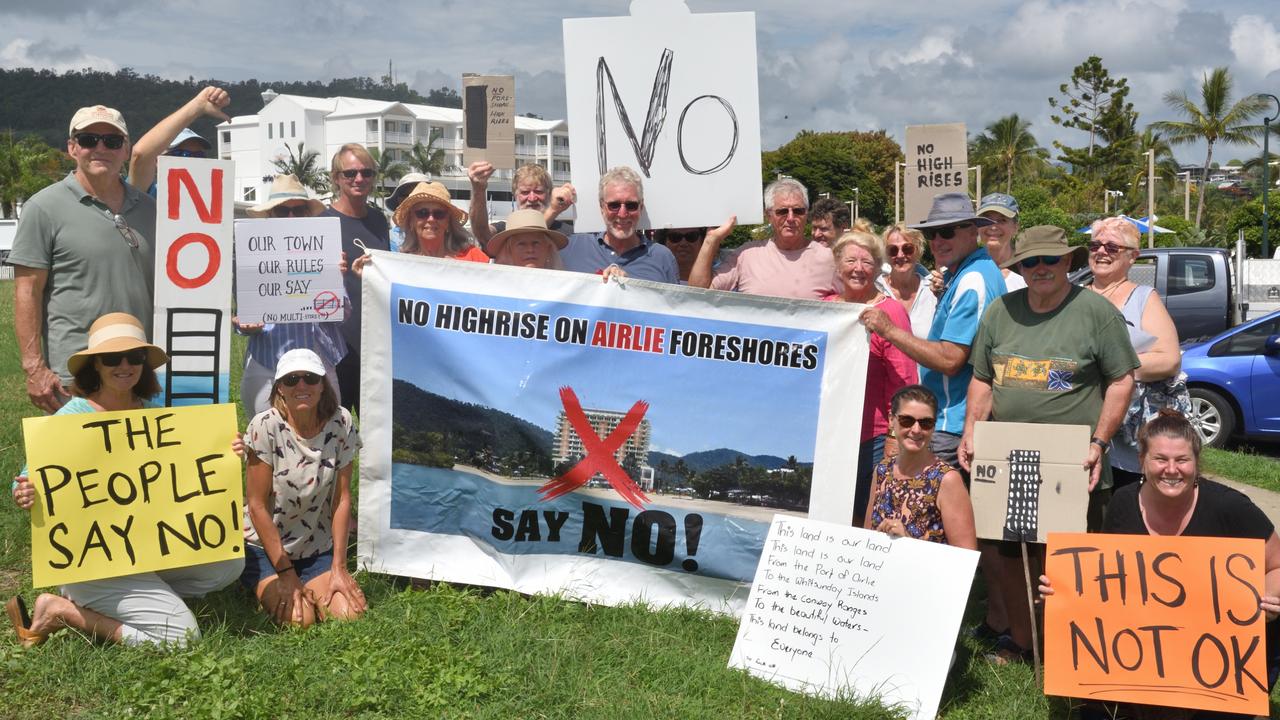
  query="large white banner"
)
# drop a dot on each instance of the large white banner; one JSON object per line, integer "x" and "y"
{"x": 546, "y": 432}
{"x": 194, "y": 215}
{"x": 673, "y": 95}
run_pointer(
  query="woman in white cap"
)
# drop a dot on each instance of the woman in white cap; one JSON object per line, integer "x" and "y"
{"x": 298, "y": 498}
{"x": 527, "y": 242}
{"x": 117, "y": 372}
{"x": 269, "y": 342}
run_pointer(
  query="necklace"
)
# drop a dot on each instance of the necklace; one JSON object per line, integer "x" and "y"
{"x": 1110, "y": 290}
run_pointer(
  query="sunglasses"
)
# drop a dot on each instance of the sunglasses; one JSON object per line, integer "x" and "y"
{"x": 129, "y": 234}
{"x": 1112, "y": 248}
{"x": 184, "y": 153}
{"x": 284, "y": 211}
{"x": 907, "y": 250}
{"x": 362, "y": 172}
{"x": 89, "y": 141}
{"x": 946, "y": 233}
{"x": 926, "y": 423}
{"x": 1050, "y": 260}
{"x": 292, "y": 379}
{"x": 423, "y": 213}
{"x": 630, "y": 205}
{"x": 796, "y": 211}
{"x": 692, "y": 236}
{"x": 136, "y": 356}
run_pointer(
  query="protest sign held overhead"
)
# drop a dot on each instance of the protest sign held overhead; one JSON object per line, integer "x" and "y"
{"x": 937, "y": 162}
{"x": 119, "y": 493}
{"x": 839, "y": 611}
{"x": 488, "y": 120}
{"x": 650, "y": 92}
{"x": 546, "y": 432}
{"x": 287, "y": 270}
{"x": 1028, "y": 480}
{"x": 193, "y": 278}
{"x": 1158, "y": 620}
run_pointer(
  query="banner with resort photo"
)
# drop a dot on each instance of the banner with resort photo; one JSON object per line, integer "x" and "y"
{"x": 549, "y": 433}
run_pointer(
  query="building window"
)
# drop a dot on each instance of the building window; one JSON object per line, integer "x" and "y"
{"x": 542, "y": 141}
{"x": 250, "y": 194}
{"x": 436, "y": 133}
{"x": 281, "y": 129}
{"x": 561, "y": 141}
{"x": 372, "y": 125}
{"x": 269, "y": 131}
{"x": 226, "y": 137}
{"x": 519, "y": 140}
{"x": 293, "y": 129}
{"x": 542, "y": 162}
{"x": 562, "y": 166}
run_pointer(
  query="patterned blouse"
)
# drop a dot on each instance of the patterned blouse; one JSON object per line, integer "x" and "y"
{"x": 915, "y": 500}
{"x": 303, "y": 476}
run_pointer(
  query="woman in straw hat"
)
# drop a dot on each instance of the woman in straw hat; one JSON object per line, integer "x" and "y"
{"x": 268, "y": 342}
{"x": 432, "y": 226}
{"x": 1051, "y": 352}
{"x": 528, "y": 242}
{"x": 298, "y": 498}
{"x": 117, "y": 372}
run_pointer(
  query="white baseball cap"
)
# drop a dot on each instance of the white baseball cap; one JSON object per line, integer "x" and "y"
{"x": 87, "y": 116}
{"x": 299, "y": 360}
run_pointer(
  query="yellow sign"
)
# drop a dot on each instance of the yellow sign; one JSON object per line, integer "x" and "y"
{"x": 119, "y": 493}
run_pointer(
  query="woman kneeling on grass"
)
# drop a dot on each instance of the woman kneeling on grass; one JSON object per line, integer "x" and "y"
{"x": 117, "y": 372}
{"x": 298, "y": 498}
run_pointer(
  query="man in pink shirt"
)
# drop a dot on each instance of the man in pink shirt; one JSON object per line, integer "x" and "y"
{"x": 786, "y": 265}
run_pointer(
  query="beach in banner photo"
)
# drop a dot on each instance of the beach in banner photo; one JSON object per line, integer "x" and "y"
{"x": 539, "y": 427}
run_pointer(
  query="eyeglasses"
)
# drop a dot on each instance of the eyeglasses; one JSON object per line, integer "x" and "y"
{"x": 89, "y": 141}
{"x": 796, "y": 211}
{"x": 423, "y": 213}
{"x": 284, "y": 211}
{"x": 292, "y": 379}
{"x": 130, "y": 235}
{"x": 365, "y": 173}
{"x": 1050, "y": 260}
{"x": 691, "y": 236}
{"x": 946, "y": 233}
{"x": 136, "y": 356}
{"x": 178, "y": 152}
{"x": 926, "y": 423}
{"x": 630, "y": 205}
{"x": 1112, "y": 248}
{"x": 907, "y": 250}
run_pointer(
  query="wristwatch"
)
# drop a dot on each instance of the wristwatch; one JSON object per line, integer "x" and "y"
{"x": 1106, "y": 446}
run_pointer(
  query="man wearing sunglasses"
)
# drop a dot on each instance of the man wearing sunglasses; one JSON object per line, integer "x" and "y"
{"x": 788, "y": 264}
{"x": 172, "y": 136}
{"x": 621, "y": 245}
{"x": 83, "y": 248}
{"x": 352, "y": 174}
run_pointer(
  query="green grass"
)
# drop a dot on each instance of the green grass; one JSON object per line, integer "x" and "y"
{"x": 443, "y": 651}
{"x": 1245, "y": 466}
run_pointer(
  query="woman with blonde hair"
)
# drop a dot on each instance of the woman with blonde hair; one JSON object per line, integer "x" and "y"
{"x": 904, "y": 247}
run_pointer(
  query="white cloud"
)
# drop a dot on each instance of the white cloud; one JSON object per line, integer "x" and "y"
{"x": 930, "y": 49}
{"x": 22, "y": 52}
{"x": 1255, "y": 42}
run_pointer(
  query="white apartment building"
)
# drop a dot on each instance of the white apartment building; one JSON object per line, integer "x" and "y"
{"x": 253, "y": 142}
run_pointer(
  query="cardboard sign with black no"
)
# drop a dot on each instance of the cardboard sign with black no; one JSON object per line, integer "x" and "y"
{"x": 937, "y": 162}
{"x": 1028, "y": 480}
{"x": 489, "y": 123}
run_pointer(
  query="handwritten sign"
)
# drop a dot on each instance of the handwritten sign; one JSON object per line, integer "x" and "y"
{"x": 937, "y": 162}
{"x": 837, "y": 609}
{"x": 1170, "y": 621}
{"x": 287, "y": 270}
{"x": 119, "y": 493}
{"x": 489, "y": 120}
{"x": 1028, "y": 480}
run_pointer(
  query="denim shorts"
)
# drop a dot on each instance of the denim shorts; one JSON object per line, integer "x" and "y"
{"x": 257, "y": 566}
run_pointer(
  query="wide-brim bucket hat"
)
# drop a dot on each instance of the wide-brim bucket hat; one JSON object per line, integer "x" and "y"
{"x": 1046, "y": 240}
{"x": 112, "y": 333}
{"x": 428, "y": 192}
{"x": 283, "y": 189}
{"x": 951, "y": 209}
{"x": 525, "y": 221}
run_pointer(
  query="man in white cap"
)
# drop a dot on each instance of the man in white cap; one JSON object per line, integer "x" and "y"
{"x": 83, "y": 248}
{"x": 172, "y": 136}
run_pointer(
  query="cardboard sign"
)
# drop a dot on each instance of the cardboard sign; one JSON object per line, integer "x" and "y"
{"x": 287, "y": 270}
{"x": 119, "y": 493}
{"x": 489, "y": 120}
{"x": 194, "y": 243}
{"x": 1027, "y": 480}
{"x": 1158, "y": 620}
{"x": 508, "y": 442}
{"x": 837, "y": 610}
{"x": 937, "y": 162}
{"x": 651, "y": 93}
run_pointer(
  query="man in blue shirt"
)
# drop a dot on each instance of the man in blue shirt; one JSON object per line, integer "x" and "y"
{"x": 621, "y": 245}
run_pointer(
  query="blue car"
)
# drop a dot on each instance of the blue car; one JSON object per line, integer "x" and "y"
{"x": 1234, "y": 380}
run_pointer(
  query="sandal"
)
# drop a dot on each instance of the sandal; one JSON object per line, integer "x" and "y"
{"x": 16, "y": 609}
{"x": 1007, "y": 652}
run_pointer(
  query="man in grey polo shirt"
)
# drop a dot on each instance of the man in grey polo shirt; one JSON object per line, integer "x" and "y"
{"x": 83, "y": 248}
{"x": 621, "y": 245}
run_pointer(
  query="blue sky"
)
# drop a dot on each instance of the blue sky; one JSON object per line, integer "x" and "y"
{"x": 855, "y": 65}
{"x": 694, "y": 404}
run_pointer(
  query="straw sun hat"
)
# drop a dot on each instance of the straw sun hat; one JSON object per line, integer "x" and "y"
{"x": 112, "y": 333}
{"x": 428, "y": 192}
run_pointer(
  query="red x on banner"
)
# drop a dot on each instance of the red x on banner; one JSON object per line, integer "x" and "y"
{"x": 600, "y": 453}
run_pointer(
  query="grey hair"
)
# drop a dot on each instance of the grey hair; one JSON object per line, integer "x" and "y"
{"x": 621, "y": 174}
{"x": 785, "y": 186}
{"x": 456, "y": 240}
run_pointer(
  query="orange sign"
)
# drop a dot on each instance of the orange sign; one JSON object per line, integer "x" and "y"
{"x": 1170, "y": 621}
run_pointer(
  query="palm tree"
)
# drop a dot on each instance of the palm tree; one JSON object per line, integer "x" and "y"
{"x": 304, "y": 165}
{"x": 428, "y": 159}
{"x": 1009, "y": 149}
{"x": 388, "y": 168}
{"x": 1217, "y": 120}
{"x": 1167, "y": 167}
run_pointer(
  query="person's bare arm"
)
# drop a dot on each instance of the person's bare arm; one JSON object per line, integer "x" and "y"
{"x": 562, "y": 198}
{"x": 1115, "y": 401}
{"x": 977, "y": 403}
{"x": 942, "y": 355}
{"x": 44, "y": 387}
{"x": 700, "y": 274}
{"x": 1164, "y": 359}
{"x": 957, "y": 512}
{"x": 479, "y": 173}
{"x": 142, "y": 164}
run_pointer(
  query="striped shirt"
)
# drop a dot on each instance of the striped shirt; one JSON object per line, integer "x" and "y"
{"x": 276, "y": 339}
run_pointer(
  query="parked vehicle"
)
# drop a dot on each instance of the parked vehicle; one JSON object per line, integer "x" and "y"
{"x": 1234, "y": 380}
{"x": 1195, "y": 284}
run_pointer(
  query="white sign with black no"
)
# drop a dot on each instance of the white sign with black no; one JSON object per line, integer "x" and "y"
{"x": 287, "y": 270}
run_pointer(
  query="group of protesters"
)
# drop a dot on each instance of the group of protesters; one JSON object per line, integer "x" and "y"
{"x": 994, "y": 331}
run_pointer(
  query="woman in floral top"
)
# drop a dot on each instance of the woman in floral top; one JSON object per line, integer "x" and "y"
{"x": 298, "y": 498}
{"x": 915, "y": 493}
